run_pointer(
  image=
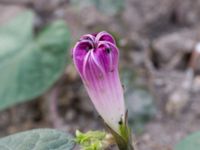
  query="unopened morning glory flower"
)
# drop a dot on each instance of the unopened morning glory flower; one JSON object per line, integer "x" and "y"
{"x": 96, "y": 58}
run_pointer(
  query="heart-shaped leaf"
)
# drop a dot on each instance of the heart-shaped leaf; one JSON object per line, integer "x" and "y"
{"x": 192, "y": 142}
{"x": 29, "y": 64}
{"x": 39, "y": 139}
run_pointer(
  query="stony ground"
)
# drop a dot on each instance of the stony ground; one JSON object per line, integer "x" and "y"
{"x": 157, "y": 39}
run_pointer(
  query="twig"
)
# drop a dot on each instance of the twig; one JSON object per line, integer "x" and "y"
{"x": 53, "y": 107}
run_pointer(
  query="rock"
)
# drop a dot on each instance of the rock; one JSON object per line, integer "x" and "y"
{"x": 187, "y": 12}
{"x": 70, "y": 115}
{"x": 93, "y": 18}
{"x": 16, "y": 1}
{"x": 160, "y": 15}
{"x": 196, "y": 84}
{"x": 194, "y": 107}
{"x": 173, "y": 90}
{"x": 46, "y": 5}
{"x": 171, "y": 50}
{"x": 141, "y": 108}
{"x": 139, "y": 14}
{"x": 140, "y": 105}
{"x": 177, "y": 102}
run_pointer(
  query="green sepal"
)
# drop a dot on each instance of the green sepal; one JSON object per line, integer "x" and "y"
{"x": 124, "y": 139}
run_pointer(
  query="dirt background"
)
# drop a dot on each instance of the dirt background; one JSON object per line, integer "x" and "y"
{"x": 157, "y": 41}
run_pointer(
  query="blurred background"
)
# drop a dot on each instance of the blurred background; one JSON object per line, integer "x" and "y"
{"x": 159, "y": 65}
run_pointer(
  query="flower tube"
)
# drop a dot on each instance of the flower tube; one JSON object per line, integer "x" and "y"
{"x": 96, "y": 58}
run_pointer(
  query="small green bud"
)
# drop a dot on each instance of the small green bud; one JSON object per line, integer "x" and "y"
{"x": 91, "y": 140}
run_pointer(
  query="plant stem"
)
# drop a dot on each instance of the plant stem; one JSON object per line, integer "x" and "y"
{"x": 54, "y": 117}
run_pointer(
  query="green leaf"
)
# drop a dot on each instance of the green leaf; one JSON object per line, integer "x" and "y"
{"x": 30, "y": 65}
{"x": 39, "y": 139}
{"x": 109, "y": 7}
{"x": 192, "y": 142}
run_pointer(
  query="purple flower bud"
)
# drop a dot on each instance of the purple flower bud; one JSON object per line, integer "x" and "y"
{"x": 96, "y": 58}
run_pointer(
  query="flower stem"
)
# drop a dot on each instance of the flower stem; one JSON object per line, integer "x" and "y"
{"x": 124, "y": 139}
